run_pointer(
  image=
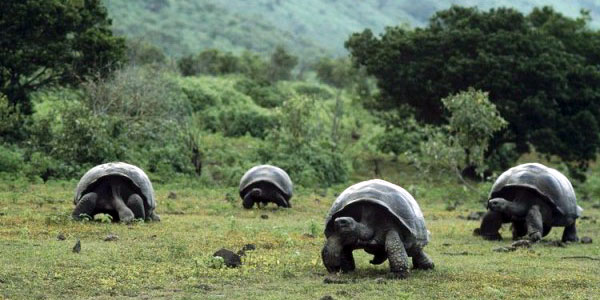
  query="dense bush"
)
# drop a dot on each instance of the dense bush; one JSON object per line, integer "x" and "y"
{"x": 301, "y": 145}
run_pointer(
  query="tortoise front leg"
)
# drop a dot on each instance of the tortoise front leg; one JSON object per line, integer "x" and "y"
{"x": 519, "y": 229}
{"x": 534, "y": 222}
{"x": 570, "y": 233}
{"x": 332, "y": 254}
{"x": 394, "y": 247}
{"x": 347, "y": 263}
{"x": 85, "y": 206}
{"x": 249, "y": 198}
{"x": 136, "y": 204}
{"x": 490, "y": 225}
{"x": 152, "y": 216}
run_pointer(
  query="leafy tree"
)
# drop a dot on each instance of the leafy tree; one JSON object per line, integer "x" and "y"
{"x": 541, "y": 71}
{"x": 211, "y": 62}
{"x": 48, "y": 42}
{"x": 281, "y": 64}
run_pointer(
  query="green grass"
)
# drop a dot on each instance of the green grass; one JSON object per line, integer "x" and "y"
{"x": 172, "y": 259}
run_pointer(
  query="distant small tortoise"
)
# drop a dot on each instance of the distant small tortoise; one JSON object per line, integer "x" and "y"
{"x": 265, "y": 183}
{"x": 534, "y": 198}
{"x": 118, "y": 189}
{"x": 381, "y": 218}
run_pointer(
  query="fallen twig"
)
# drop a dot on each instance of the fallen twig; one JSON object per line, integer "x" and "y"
{"x": 460, "y": 253}
{"x": 580, "y": 257}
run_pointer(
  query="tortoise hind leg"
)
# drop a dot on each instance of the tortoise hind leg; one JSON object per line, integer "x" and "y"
{"x": 280, "y": 200}
{"x": 85, "y": 206}
{"x": 136, "y": 204}
{"x": 570, "y": 233}
{"x": 534, "y": 222}
{"x": 422, "y": 261}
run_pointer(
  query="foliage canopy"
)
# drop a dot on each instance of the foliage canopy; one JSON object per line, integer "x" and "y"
{"x": 48, "y": 42}
{"x": 541, "y": 71}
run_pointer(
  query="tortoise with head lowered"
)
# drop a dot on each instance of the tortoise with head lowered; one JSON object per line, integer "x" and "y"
{"x": 534, "y": 198}
{"x": 265, "y": 183}
{"x": 381, "y": 218}
{"x": 118, "y": 189}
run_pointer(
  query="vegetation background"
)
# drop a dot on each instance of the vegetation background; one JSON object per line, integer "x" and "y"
{"x": 197, "y": 92}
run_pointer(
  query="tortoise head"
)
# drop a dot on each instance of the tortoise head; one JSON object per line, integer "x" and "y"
{"x": 348, "y": 229}
{"x": 499, "y": 205}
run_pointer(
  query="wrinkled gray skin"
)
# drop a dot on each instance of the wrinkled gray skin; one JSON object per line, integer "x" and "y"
{"x": 377, "y": 233}
{"x": 116, "y": 196}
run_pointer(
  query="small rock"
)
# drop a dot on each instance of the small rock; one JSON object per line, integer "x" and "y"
{"x": 326, "y": 297}
{"x": 111, "y": 237}
{"x": 2, "y": 213}
{"x": 230, "y": 258}
{"x": 77, "y": 247}
{"x": 476, "y": 232}
{"x": 172, "y": 195}
{"x": 153, "y": 236}
{"x": 521, "y": 244}
{"x": 61, "y": 236}
{"x": 446, "y": 244}
{"x": 264, "y": 216}
{"x": 475, "y": 216}
{"x": 585, "y": 218}
{"x": 317, "y": 200}
{"x": 586, "y": 240}
{"x": 380, "y": 280}
{"x": 308, "y": 235}
{"x": 249, "y": 247}
{"x": 334, "y": 280}
{"x": 596, "y": 205}
{"x": 505, "y": 249}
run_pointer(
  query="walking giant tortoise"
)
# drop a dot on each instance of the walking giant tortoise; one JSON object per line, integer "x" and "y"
{"x": 534, "y": 198}
{"x": 381, "y": 218}
{"x": 119, "y": 189}
{"x": 265, "y": 183}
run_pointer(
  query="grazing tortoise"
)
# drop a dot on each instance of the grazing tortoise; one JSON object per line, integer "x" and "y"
{"x": 381, "y": 218}
{"x": 534, "y": 198}
{"x": 265, "y": 183}
{"x": 118, "y": 189}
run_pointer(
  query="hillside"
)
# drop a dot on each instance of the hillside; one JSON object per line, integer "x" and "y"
{"x": 307, "y": 28}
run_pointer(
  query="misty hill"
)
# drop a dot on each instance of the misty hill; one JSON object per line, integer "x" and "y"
{"x": 308, "y": 28}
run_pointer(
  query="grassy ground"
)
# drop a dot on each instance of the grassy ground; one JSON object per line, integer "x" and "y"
{"x": 172, "y": 259}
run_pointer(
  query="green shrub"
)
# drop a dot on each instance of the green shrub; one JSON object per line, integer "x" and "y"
{"x": 11, "y": 159}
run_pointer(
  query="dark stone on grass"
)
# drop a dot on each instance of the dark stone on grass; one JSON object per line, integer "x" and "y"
{"x": 61, "y": 237}
{"x": 77, "y": 247}
{"x": 308, "y": 235}
{"x": 230, "y": 258}
{"x": 326, "y": 297}
{"x": 586, "y": 240}
{"x": 585, "y": 218}
{"x": 172, "y": 195}
{"x": 247, "y": 247}
{"x": 2, "y": 213}
{"x": 264, "y": 217}
{"x": 204, "y": 287}
{"x": 111, "y": 237}
{"x": 596, "y": 205}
